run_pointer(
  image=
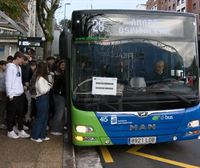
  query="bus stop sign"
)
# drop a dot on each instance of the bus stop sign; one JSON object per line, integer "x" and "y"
{"x": 30, "y": 42}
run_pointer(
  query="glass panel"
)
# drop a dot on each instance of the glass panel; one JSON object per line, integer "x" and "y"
{"x": 154, "y": 69}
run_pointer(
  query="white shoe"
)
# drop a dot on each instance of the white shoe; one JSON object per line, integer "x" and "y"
{"x": 3, "y": 126}
{"x": 12, "y": 135}
{"x": 23, "y": 134}
{"x": 46, "y": 139}
{"x": 17, "y": 130}
{"x": 56, "y": 133}
{"x": 199, "y": 137}
{"x": 36, "y": 140}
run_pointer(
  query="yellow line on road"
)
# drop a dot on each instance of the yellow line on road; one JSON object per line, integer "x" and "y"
{"x": 106, "y": 155}
{"x": 135, "y": 149}
{"x": 172, "y": 162}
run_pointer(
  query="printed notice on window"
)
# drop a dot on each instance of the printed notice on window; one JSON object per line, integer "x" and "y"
{"x": 104, "y": 86}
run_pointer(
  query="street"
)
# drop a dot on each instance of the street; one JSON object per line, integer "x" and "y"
{"x": 165, "y": 155}
{"x": 25, "y": 153}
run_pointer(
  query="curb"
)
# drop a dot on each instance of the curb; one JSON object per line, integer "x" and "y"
{"x": 69, "y": 160}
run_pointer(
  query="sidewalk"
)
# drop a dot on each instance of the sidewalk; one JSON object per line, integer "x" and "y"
{"x": 24, "y": 153}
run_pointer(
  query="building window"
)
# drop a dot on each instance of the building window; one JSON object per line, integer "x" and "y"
{"x": 2, "y": 49}
{"x": 169, "y": 8}
{"x": 194, "y": 6}
{"x": 178, "y": 10}
{"x": 183, "y": 9}
{"x": 174, "y": 6}
{"x": 178, "y": 2}
{"x": 154, "y": 7}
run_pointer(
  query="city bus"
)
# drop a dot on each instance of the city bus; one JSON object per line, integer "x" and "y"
{"x": 132, "y": 77}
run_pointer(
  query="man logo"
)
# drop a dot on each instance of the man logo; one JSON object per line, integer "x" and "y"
{"x": 140, "y": 127}
{"x": 142, "y": 113}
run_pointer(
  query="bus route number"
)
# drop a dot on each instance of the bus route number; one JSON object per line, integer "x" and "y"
{"x": 98, "y": 26}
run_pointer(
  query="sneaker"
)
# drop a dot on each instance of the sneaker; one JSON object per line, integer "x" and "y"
{"x": 56, "y": 133}
{"x": 12, "y": 135}
{"x": 199, "y": 137}
{"x": 15, "y": 128}
{"x": 46, "y": 139}
{"x": 3, "y": 126}
{"x": 23, "y": 134}
{"x": 36, "y": 140}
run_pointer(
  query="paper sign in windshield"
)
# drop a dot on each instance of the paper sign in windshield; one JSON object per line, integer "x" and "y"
{"x": 104, "y": 86}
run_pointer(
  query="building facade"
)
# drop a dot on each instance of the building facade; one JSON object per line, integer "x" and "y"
{"x": 10, "y": 29}
{"x": 31, "y": 19}
{"x": 9, "y": 33}
{"x": 28, "y": 26}
{"x": 191, "y": 6}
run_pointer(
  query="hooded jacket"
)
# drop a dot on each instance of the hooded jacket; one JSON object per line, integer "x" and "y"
{"x": 13, "y": 80}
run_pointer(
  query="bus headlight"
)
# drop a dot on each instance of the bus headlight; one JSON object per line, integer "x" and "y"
{"x": 83, "y": 129}
{"x": 81, "y": 138}
{"x": 194, "y": 123}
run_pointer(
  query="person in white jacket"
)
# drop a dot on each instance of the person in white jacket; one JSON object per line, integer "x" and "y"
{"x": 43, "y": 85}
{"x": 15, "y": 93}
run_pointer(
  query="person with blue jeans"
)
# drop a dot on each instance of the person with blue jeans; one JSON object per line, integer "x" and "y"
{"x": 43, "y": 85}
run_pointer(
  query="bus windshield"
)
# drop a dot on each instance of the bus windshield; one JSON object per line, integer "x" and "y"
{"x": 154, "y": 62}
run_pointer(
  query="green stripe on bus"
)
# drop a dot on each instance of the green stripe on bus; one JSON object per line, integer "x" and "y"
{"x": 88, "y": 118}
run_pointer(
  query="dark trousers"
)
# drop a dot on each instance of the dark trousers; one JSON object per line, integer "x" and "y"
{"x": 40, "y": 122}
{"x": 15, "y": 110}
{"x": 58, "y": 118}
{"x": 3, "y": 104}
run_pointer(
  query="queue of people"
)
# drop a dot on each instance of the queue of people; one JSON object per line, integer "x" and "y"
{"x": 28, "y": 91}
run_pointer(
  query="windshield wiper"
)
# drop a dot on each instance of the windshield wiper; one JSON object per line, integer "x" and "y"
{"x": 80, "y": 84}
{"x": 182, "y": 98}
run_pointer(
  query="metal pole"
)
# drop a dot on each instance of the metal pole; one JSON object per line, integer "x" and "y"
{"x": 65, "y": 9}
{"x": 65, "y": 12}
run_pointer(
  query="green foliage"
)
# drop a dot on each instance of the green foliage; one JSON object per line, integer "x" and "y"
{"x": 45, "y": 12}
{"x": 13, "y": 8}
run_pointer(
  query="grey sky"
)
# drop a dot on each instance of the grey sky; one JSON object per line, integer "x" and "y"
{"x": 94, "y": 4}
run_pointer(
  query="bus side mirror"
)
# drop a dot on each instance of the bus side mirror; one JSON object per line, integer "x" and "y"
{"x": 65, "y": 44}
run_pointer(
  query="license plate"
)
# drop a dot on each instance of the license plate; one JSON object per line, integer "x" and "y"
{"x": 142, "y": 140}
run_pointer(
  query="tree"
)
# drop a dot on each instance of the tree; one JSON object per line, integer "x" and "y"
{"x": 45, "y": 11}
{"x": 65, "y": 23}
{"x": 14, "y": 9}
